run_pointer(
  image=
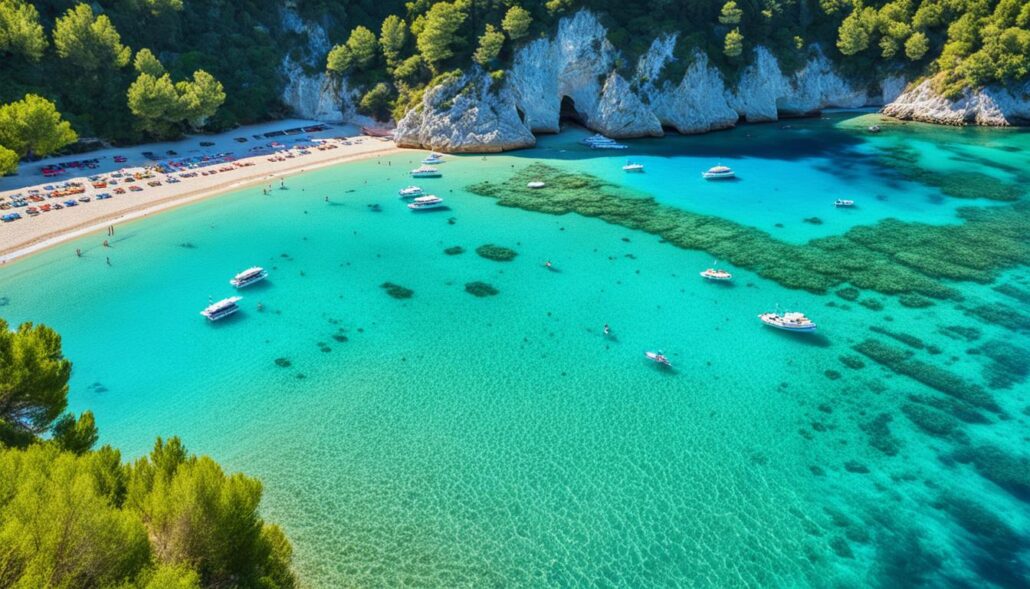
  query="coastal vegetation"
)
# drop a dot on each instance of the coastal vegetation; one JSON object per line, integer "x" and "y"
{"x": 72, "y": 515}
{"x": 126, "y": 71}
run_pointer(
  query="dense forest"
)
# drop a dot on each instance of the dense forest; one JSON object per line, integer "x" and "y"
{"x": 130, "y": 70}
{"x": 75, "y": 516}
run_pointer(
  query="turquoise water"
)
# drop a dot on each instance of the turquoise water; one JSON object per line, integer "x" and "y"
{"x": 447, "y": 440}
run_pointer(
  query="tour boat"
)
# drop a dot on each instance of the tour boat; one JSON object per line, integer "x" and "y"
{"x": 658, "y": 358}
{"x": 601, "y": 142}
{"x": 788, "y": 321}
{"x": 716, "y": 274}
{"x": 718, "y": 173}
{"x": 841, "y": 202}
{"x": 410, "y": 192}
{"x": 535, "y": 185}
{"x": 596, "y": 138}
{"x": 425, "y": 202}
{"x": 631, "y": 167}
{"x": 425, "y": 172}
{"x": 249, "y": 276}
{"x": 221, "y": 309}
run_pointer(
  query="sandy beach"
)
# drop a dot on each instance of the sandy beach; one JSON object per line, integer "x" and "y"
{"x": 257, "y": 160}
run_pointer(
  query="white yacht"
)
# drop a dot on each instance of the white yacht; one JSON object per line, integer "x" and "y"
{"x": 632, "y": 167}
{"x": 221, "y": 309}
{"x": 425, "y": 172}
{"x": 658, "y": 358}
{"x": 716, "y": 274}
{"x": 536, "y": 184}
{"x": 843, "y": 202}
{"x": 425, "y": 202}
{"x": 249, "y": 276}
{"x": 410, "y": 192}
{"x": 596, "y": 138}
{"x": 718, "y": 173}
{"x": 788, "y": 321}
{"x": 433, "y": 158}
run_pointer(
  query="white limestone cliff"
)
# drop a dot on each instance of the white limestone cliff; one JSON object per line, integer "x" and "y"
{"x": 991, "y": 106}
{"x": 470, "y": 112}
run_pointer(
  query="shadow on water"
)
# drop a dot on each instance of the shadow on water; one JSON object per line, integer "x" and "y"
{"x": 805, "y": 139}
{"x": 816, "y": 340}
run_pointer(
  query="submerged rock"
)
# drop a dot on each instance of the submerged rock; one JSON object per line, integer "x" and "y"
{"x": 496, "y": 253}
{"x": 480, "y": 289}
{"x": 397, "y": 291}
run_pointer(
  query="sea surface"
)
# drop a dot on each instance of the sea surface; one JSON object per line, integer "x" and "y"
{"x": 448, "y": 440}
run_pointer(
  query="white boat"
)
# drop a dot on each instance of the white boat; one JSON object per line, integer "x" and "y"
{"x": 716, "y": 274}
{"x": 425, "y": 202}
{"x": 425, "y": 172}
{"x": 608, "y": 145}
{"x": 788, "y": 321}
{"x": 535, "y": 185}
{"x": 873, "y": 129}
{"x": 433, "y": 158}
{"x": 658, "y": 358}
{"x": 410, "y": 192}
{"x": 221, "y": 309}
{"x": 249, "y": 276}
{"x": 718, "y": 173}
{"x": 631, "y": 167}
{"x": 597, "y": 138}
{"x": 843, "y": 202}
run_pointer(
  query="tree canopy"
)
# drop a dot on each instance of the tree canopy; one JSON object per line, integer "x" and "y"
{"x": 33, "y": 127}
{"x": 20, "y": 31}
{"x": 88, "y": 41}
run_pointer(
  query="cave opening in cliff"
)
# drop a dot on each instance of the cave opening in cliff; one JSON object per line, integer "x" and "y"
{"x": 568, "y": 112}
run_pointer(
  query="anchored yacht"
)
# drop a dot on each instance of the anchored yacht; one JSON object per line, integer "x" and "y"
{"x": 718, "y": 173}
{"x": 425, "y": 202}
{"x": 788, "y": 321}
{"x": 425, "y": 172}
{"x": 410, "y": 192}
{"x": 249, "y": 276}
{"x": 222, "y": 308}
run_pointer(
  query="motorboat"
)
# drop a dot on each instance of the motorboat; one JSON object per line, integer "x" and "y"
{"x": 843, "y": 202}
{"x": 425, "y": 202}
{"x": 718, "y": 173}
{"x": 631, "y": 167}
{"x": 716, "y": 274}
{"x": 596, "y": 138}
{"x": 425, "y": 172}
{"x": 788, "y": 321}
{"x": 599, "y": 141}
{"x": 433, "y": 158}
{"x": 536, "y": 184}
{"x": 873, "y": 129}
{"x": 658, "y": 358}
{"x": 222, "y": 308}
{"x": 410, "y": 192}
{"x": 249, "y": 276}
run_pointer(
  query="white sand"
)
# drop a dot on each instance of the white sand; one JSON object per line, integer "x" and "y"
{"x": 31, "y": 234}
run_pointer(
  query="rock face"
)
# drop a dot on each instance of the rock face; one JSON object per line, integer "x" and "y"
{"x": 991, "y": 106}
{"x": 313, "y": 96}
{"x": 470, "y": 112}
{"x": 579, "y": 67}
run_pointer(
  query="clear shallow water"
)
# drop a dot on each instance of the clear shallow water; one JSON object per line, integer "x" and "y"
{"x": 462, "y": 441}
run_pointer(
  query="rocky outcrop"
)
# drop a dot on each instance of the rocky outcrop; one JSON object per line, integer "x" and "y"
{"x": 990, "y": 106}
{"x": 471, "y": 112}
{"x": 580, "y": 68}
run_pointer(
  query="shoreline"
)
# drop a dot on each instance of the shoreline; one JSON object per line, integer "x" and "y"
{"x": 262, "y": 172}
{"x": 93, "y": 225}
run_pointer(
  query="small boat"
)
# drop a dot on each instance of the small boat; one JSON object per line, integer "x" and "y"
{"x": 631, "y": 167}
{"x": 249, "y": 276}
{"x": 425, "y": 202}
{"x": 536, "y": 184}
{"x": 873, "y": 129}
{"x": 425, "y": 172}
{"x": 433, "y": 158}
{"x": 221, "y": 309}
{"x": 788, "y": 321}
{"x": 718, "y": 173}
{"x": 410, "y": 192}
{"x": 716, "y": 274}
{"x": 842, "y": 202}
{"x": 658, "y": 358}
